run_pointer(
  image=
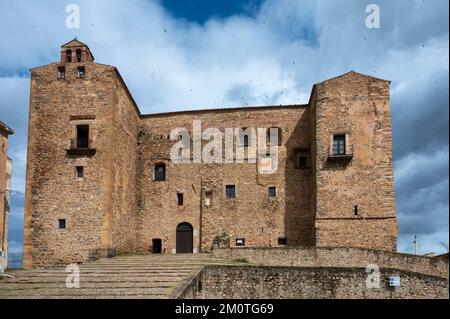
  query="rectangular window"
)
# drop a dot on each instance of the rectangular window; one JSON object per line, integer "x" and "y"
{"x": 230, "y": 191}
{"x": 282, "y": 241}
{"x": 180, "y": 199}
{"x": 302, "y": 159}
{"x": 240, "y": 241}
{"x": 61, "y": 223}
{"x": 81, "y": 72}
{"x": 80, "y": 171}
{"x": 339, "y": 144}
{"x": 82, "y": 136}
{"x": 272, "y": 191}
{"x": 160, "y": 172}
{"x": 61, "y": 72}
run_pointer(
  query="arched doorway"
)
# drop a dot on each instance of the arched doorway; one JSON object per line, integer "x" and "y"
{"x": 156, "y": 246}
{"x": 185, "y": 238}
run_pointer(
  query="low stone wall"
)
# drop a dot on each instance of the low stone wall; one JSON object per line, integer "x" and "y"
{"x": 261, "y": 282}
{"x": 337, "y": 257}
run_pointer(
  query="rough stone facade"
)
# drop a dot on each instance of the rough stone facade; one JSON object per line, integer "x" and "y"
{"x": 5, "y": 192}
{"x": 267, "y": 282}
{"x": 117, "y": 206}
{"x": 337, "y": 257}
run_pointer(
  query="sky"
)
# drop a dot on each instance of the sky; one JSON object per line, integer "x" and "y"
{"x": 188, "y": 54}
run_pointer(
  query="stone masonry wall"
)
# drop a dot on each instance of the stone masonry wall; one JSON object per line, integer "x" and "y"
{"x": 124, "y": 168}
{"x": 251, "y": 215}
{"x": 337, "y": 257}
{"x": 354, "y": 196}
{"x": 53, "y": 191}
{"x": 240, "y": 282}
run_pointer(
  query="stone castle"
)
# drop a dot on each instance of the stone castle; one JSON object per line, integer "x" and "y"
{"x": 5, "y": 193}
{"x": 100, "y": 180}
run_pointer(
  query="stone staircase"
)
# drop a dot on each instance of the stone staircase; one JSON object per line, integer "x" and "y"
{"x": 137, "y": 276}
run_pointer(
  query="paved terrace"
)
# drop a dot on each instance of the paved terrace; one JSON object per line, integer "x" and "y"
{"x": 138, "y": 276}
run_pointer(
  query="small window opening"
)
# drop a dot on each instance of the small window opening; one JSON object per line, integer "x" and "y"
{"x": 272, "y": 191}
{"x": 61, "y": 72}
{"x": 160, "y": 172}
{"x": 80, "y": 171}
{"x": 230, "y": 191}
{"x": 339, "y": 144}
{"x": 302, "y": 159}
{"x": 180, "y": 199}
{"x": 282, "y": 241}
{"x": 81, "y": 72}
{"x": 62, "y": 223}
{"x": 69, "y": 55}
{"x": 240, "y": 241}
{"x": 356, "y": 211}
{"x": 82, "y": 136}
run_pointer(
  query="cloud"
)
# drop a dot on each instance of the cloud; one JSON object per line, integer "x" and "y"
{"x": 271, "y": 56}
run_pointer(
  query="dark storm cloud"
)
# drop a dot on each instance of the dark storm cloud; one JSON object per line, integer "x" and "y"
{"x": 421, "y": 119}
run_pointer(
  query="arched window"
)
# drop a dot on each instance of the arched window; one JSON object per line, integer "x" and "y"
{"x": 78, "y": 55}
{"x": 69, "y": 55}
{"x": 160, "y": 172}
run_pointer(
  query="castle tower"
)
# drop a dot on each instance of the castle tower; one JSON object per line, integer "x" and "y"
{"x": 81, "y": 157}
{"x": 353, "y": 166}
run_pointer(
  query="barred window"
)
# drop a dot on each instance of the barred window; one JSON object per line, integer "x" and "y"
{"x": 230, "y": 191}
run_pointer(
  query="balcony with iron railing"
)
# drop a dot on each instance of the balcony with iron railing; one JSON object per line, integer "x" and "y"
{"x": 80, "y": 147}
{"x": 346, "y": 154}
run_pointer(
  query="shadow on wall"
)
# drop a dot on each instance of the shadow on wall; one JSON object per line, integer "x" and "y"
{"x": 299, "y": 187}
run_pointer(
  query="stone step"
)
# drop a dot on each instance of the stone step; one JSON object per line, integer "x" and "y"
{"x": 87, "y": 292}
{"x": 93, "y": 279}
{"x": 89, "y": 285}
{"x": 105, "y": 275}
{"x": 135, "y": 277}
